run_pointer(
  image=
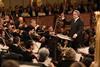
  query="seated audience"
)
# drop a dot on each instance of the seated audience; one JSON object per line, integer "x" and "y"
{"x": 25, "y": 13}
{"x": 28, "y": 55}
{"x": 41, "y": 13}
{"x": 44, "y": 57}
{"x": 10, "y": 63}
{"x": 69, "y": 58}
{"x": 77, "y": 64}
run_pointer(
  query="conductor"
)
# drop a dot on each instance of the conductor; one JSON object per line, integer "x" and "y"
{"x": 76, "y": 29}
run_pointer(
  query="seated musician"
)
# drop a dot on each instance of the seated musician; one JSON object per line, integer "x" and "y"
{"x": 19, "y": 22}
{"x": 50, "y": 41}
{"x": 33, "y": 33}
{"x": 33, "y": 24}
{"x": 50, "y": 31}
{"x": 23, "y": 51}
{"x": 28, "y": 30}
{"x": 28, "y": 55}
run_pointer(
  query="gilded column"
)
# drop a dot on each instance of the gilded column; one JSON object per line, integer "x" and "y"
{"x": 97, "y": 46}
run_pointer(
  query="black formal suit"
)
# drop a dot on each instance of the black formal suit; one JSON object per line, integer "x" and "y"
{"x": 76, "y": 28}
{"x": 65, "y": 63}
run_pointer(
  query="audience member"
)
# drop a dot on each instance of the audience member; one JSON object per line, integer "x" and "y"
{"x": 69, "y": 58}
{"x": 10, "y": 63}
{"x": 44, "y": 57}
{"x": 77, "y": 64}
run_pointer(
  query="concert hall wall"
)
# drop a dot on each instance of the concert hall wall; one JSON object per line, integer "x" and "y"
{"x": 49, "y": 20}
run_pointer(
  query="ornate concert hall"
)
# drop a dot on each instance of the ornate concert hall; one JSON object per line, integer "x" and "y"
{"x": 49, "y": 33}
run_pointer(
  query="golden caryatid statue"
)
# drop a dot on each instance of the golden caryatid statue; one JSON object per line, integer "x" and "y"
{"x": 1, "y": 3}
{"x": 96, "y": 63}
{"x": 39, "y": 2}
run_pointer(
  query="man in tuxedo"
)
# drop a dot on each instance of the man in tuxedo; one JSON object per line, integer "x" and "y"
{"x": 76, "y": 29}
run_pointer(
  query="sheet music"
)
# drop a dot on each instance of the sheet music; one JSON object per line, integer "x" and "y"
{"x": 37, "y": 45}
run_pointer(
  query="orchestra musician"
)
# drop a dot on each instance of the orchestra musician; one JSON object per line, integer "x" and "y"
{"x": 36, "y": 31}
{"x": 76, "y": 29}
{"x": 50, "y": 41}
{"x": 19, "y": 22}
{"x": 33, "y": 30}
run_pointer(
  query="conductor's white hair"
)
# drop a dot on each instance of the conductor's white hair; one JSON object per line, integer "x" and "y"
{"x": 78, "y": 13}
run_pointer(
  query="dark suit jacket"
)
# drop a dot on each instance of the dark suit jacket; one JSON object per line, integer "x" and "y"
{"x": 65, "y": 63}
{"x": 76, "y": 27}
